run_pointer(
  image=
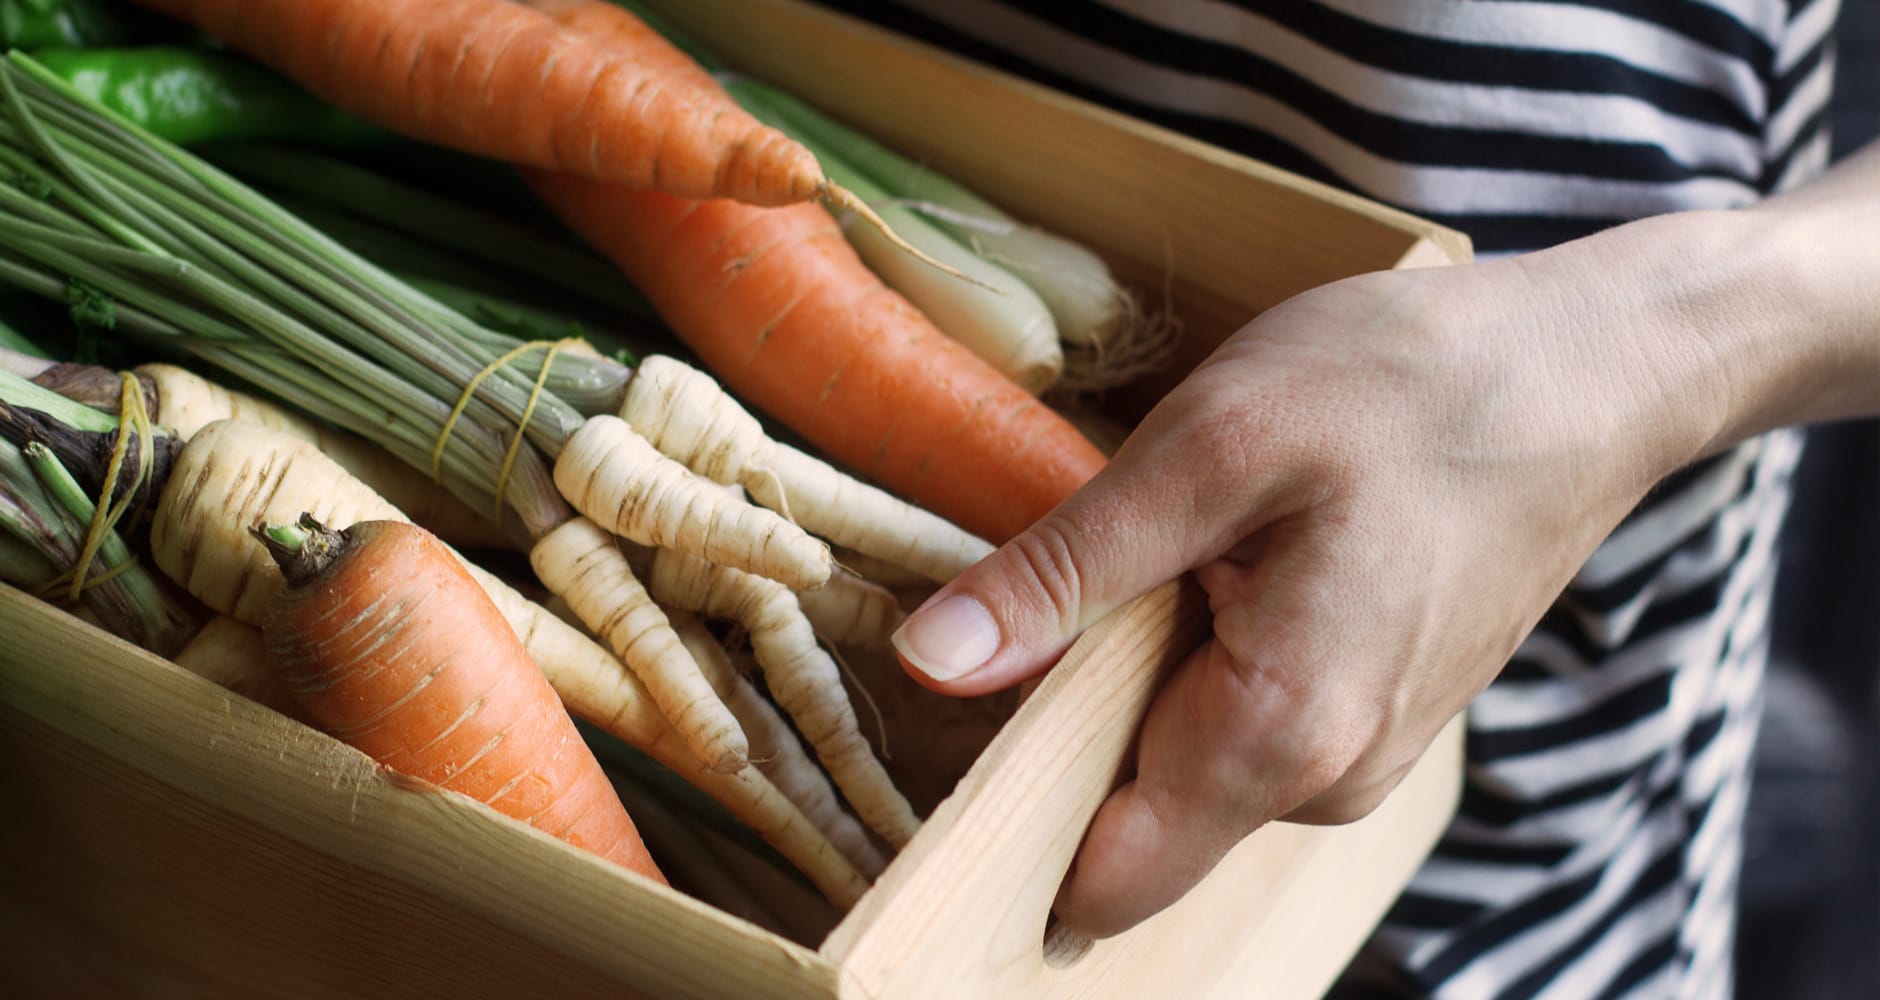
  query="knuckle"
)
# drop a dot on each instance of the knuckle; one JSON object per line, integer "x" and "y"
{"x": 1317, "y": 735}
{"x": 1320, "y": 765}
{"x": 1324, "y": 756}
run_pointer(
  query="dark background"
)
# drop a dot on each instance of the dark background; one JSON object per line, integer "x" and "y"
{"x": 1810, "y": 923}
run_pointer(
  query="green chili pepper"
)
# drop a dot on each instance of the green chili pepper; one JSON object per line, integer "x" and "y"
{"x": 192, "y": 96}
{"x": 26, "y": 24}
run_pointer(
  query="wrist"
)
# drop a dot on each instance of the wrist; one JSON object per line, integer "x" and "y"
{"x": 1727, "y": 324}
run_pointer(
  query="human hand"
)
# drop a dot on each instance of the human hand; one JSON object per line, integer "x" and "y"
{"x": 1381, "y": 485}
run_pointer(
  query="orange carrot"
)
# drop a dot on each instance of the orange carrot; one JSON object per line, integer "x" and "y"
{"x": 784, "y": 313}
{"x": 779, "y": 306}
{"x": 619, "y": 29}
{"x": 388, "y": 643}
{"x": 499, "y": 79}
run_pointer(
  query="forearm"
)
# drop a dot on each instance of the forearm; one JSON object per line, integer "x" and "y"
{"x": 1733, "y": 323}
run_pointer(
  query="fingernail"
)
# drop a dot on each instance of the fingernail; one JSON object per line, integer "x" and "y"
{"x": 950, "y": 639}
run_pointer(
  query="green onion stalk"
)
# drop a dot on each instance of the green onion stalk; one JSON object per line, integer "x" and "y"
{"x": 550, "y": 259}
{"x": 498, "y": 293}
{"x": 13, "y": 340}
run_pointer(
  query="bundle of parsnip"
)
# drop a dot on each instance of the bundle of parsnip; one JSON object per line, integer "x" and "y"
{"x": 551, "y": 437}
{"x": 425, "y": 675}
{"x": 249, "y": 470}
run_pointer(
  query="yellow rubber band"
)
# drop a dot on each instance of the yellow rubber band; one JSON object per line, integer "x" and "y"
{"x": 522, "y": 427}
{"x": 463, "y": 402}
{"x": 55, "y": 589}
{"x": 528, "y": 411}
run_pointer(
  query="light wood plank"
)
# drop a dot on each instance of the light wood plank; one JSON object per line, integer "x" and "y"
{"x": 286, "y": 828}
{"x": 963, "y": 911}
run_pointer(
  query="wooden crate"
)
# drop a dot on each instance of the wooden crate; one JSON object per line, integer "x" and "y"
{"x": 164, "y": 838}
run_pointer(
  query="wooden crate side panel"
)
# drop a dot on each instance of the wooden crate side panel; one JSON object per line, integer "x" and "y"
{"x": 972, "y": 891}
{"x": 137, "y": 889}
{"x": 201, "y": 756}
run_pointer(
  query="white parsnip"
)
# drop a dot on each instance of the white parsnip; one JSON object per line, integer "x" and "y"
{"x": 776, "y": 749}
{"x": 580, "y": 563}
{"x": 594, "y": 686}
{"x": 186, "y": 402}
{"x": 803, "y": 678}
{"x": 612, "y": 474}
{"x": 851, "y": 611}
{"x": 233, "y": 655}
{"x": 687, "y": 415}
{"x": 233, "y": 475}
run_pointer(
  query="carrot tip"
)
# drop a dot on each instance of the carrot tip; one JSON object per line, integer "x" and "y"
{"x": 847, "y": 200}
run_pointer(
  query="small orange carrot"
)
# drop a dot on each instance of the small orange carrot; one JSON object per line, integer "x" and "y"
{"x": 499, "y": 79}
{"x": 777, "y": 304}
{"x": 388, "y": 643}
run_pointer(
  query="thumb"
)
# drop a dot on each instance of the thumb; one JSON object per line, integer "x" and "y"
{"x": 1138, "y": 523}
{"x": 1011, "y": 616}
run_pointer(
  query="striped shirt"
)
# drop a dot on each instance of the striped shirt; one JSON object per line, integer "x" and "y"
{"x": 1596, "y": 849}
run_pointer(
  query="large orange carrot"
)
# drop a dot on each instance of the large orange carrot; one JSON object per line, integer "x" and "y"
{"x": 621, "y": 30}
{"x": 388, "y": 643}
{"x": 781, "y": 309}
{"x": 502, "y": 80}
{"x": 778, "y": 305}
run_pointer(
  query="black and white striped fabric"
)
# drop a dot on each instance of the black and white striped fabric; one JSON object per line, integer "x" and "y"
{"x": 1599, "y": 838}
